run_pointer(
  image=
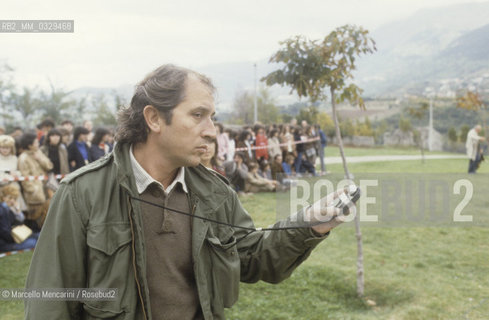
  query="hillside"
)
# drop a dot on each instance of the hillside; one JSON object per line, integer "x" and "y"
{"x": 440, "y": 49}
{"x": 431, "y": 48}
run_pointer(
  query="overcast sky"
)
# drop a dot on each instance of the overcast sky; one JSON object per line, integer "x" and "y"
{"x": 118, "y": 42}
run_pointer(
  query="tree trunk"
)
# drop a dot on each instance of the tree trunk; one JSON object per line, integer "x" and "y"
{"x": 360, "y": 272}
{"x": 483, "y": 115}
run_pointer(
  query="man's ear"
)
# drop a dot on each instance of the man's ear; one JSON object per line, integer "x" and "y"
{"x": 152, "y": 118}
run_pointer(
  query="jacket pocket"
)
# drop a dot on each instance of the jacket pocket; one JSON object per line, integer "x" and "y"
{"x": 109, "y": 266}
{"x": 97, "y": 313}
{"x": 107, "y": 238}
{"x": 225, "y": 264}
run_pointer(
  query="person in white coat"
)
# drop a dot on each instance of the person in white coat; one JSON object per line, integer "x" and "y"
{"x": 473, "y": 148}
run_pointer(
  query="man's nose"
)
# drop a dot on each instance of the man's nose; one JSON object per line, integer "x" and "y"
{"x": 209, "y": 130}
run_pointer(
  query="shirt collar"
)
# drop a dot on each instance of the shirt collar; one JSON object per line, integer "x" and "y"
{"x": 143, "y": 179}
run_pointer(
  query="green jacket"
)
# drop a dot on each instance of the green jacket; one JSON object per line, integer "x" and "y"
{"x": 93, "y": 238}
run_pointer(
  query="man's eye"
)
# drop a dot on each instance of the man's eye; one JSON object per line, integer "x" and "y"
{"x": 198, "y": 115}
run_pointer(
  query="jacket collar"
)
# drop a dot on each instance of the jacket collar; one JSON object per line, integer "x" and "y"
{"x": 203, "y": 185}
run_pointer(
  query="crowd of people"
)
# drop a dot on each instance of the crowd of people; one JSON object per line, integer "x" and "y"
{"x": 253, "y": 159}
{"x": 265, "y": 158}
{"x": 51, "y": 151}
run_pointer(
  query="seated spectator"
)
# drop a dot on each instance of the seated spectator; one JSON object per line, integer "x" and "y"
{"x": 32, "y": 162}
{"x": 256, "y": 183}
{"x": 264, "y": 169}
{"x": 78, "y": 154}
{"x": 237, "y": 172}
{"x": 305, "y": 166}
{"x": 99, "y": 148}
{"x": 55, "y": 152}
{"x": 11, "y": 216}
{"x": 209, "y": 159}
{"x": 287, "y": 165}
{"x": 276, "y": 169}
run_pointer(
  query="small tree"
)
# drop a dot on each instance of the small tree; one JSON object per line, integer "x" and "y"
{"x": 464, "y": 131}
{"x": 26, "y": 103}
{"x": 315, "y": 68}
{"x": 6, "y": 87}
{"x": 56, "y": 104}
{"x": 243, "y": 107}
{"x": 452, "y": 135}
{"x": 308, "y": 114}
{"x": 419, "y": 113}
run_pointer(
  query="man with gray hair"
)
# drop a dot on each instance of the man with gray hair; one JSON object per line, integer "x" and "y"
{"x": 473, "y": 147}
{"x": 148, "y": 220}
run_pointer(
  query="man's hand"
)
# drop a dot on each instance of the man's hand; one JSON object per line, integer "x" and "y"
{"x": 323, "y": 211}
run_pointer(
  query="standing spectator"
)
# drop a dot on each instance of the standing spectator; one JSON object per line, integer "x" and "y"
{"x": 261, "y": 141}
{"x": 87, "y": 124}
{"x": 232, "y": 144}
{"x": 323, "y": 141}
{"x": 56, "y": 152}
{"x": 288, "y": 138}
{"x": 209, "y": 159}
{"x": 32, "y": 162}
{"x": 299, "y": 147}
{"x": 78, "y": 154}
{"x": 473, "y": 149}
{"x": 8, "y": 159}
{"x": 10, "y": 217}
{"x": 44, "y": 127}
{"x": 99, "y": 147}
{"x": 244, "y": 142}
{"x": 65, "y": 137}
{"x": 110, "y": 140}
{"x": 9, "y": 165}
{"x": 222, "y": 142}
{"x": 310, "y": 145}
{"x": 17, "y": 132}
{"x": 68, "y": 125}
{"x": 274, "y": 144}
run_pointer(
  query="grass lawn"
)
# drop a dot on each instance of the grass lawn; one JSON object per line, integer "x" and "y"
{"x": 410, "y": 273}
{"x": 334, "y": 151}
